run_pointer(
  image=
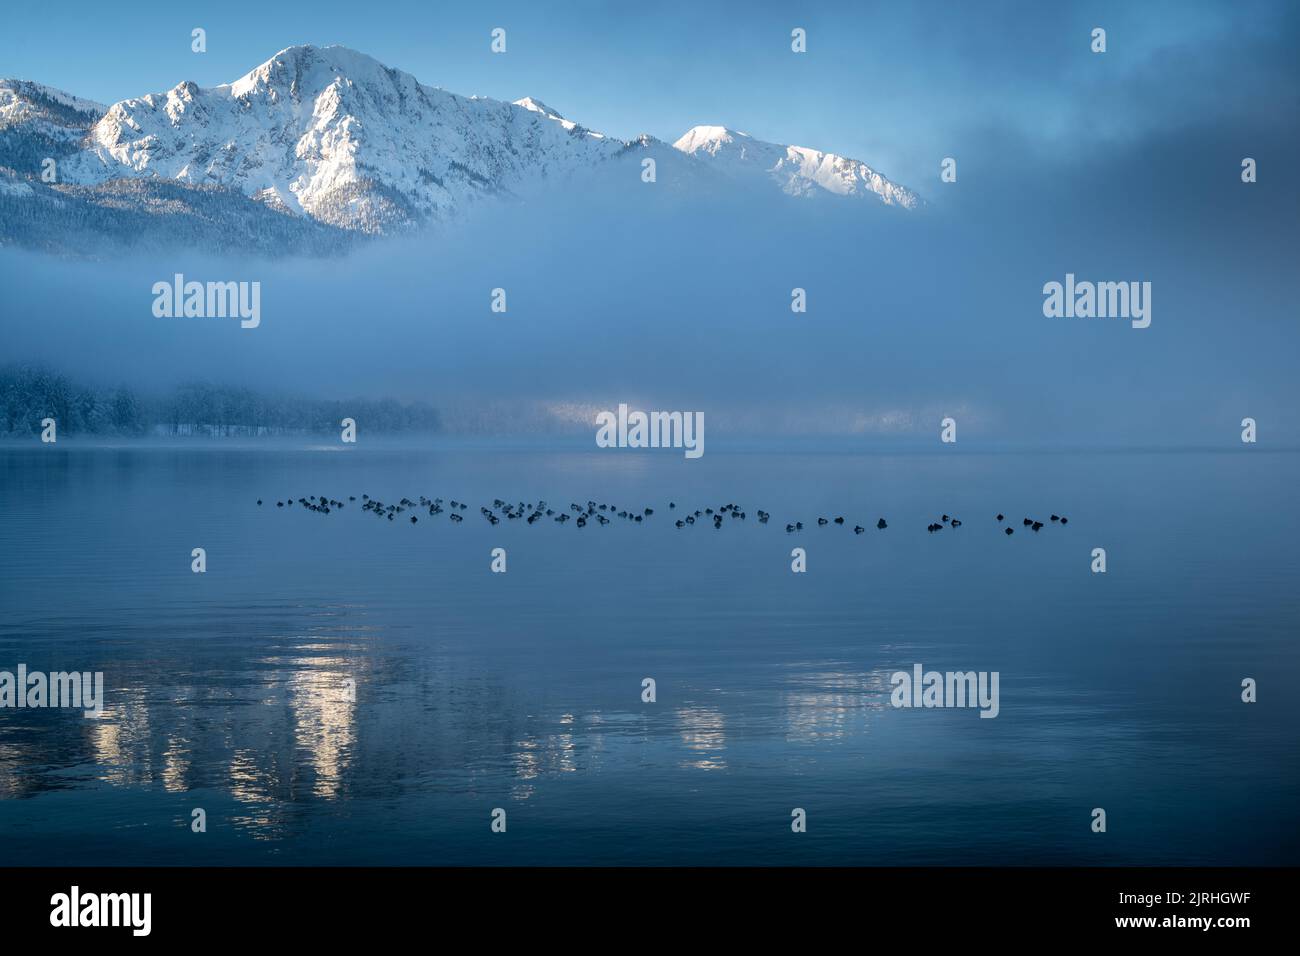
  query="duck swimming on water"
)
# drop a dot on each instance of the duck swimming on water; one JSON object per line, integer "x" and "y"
{"x": 602, "y": 513}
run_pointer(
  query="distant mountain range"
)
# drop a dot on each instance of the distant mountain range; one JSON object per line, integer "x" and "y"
{"x": 318, "y": 147}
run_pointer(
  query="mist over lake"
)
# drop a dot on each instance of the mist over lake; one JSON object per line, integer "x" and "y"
{"x": 619, "y": 294}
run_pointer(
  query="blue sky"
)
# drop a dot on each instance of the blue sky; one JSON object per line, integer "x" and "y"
{"x": 899, "y": 85}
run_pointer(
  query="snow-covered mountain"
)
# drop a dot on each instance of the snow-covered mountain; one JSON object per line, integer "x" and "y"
{"x": 798, "y": 170}
{"x": 43, "y": 133}
{"x": 332, "y": 137}
{"x": 22, "y": 101}
{"x": 338, "y": 136}
{"x": 38, "y": 121}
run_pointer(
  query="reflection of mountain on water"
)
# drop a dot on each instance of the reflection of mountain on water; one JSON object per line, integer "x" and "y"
{"x": 822, "y": 705}
{"x": 283, "y": 729}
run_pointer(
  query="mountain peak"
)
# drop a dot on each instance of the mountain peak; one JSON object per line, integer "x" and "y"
{"x": 537, "y": 106}
{"x": 312, "y": 68}
{"x": 337, "y": 137}
{"x": 708, "y": 138}
{"x": 799, "y": 170}
{"x": 334, "y": 54}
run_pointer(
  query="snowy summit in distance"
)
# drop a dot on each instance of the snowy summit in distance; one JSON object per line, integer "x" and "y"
{"x": 798, "y": 170}
{"x": 339, "y": 143}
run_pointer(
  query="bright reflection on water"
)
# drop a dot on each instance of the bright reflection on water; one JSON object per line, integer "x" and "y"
{"x": 346, "y": 689}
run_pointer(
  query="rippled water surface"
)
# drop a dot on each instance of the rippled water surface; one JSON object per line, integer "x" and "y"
{"x": 229, "y": 690}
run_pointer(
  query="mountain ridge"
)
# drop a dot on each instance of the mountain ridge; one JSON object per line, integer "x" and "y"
{"x": 333, "y": 136}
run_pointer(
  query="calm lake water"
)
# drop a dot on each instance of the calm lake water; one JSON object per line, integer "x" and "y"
{"x": 227, "y": 690}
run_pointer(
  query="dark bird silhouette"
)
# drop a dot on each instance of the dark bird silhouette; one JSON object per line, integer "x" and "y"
{"x": 602, "y": 513}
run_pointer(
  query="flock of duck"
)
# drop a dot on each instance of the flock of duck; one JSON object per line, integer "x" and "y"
{"x": 602, "y": 514}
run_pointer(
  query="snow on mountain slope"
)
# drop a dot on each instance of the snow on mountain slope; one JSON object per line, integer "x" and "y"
{"x": 337, "y": 135}
{"x": 334, "y": 138}
{"x": 799, "y": 171}
{"x": 22, "y": 101}
{"x": 42, "y": 207}
{"x": 39, "y": 122}
{"x": 537, "y": 106}
{"x": 155, "y": 216}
